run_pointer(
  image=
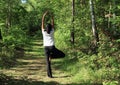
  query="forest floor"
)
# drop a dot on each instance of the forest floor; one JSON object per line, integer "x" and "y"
{"x": 31, "y": 69}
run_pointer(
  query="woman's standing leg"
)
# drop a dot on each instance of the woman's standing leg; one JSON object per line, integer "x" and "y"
{"x": 49, "y": 70}
{"x": 48, "y": 62}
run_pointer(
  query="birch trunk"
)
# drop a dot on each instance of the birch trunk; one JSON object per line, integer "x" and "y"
{"x": 94, "y": 28}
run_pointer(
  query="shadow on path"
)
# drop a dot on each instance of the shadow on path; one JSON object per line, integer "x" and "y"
{"x": 7, "y": 80}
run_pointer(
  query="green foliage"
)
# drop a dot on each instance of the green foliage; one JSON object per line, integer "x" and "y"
{"x": 93, "y": 69}
{"x": 15, "y": 37}
{"x": 7, "y": 57}
{"x": 80, "y": 61}
{"x": 110, "y": 83}
{"x": 12, "y": 38}
{"x": 7, "y": 61}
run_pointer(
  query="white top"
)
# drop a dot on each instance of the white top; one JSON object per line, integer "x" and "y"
{"x": 48, "y": 39}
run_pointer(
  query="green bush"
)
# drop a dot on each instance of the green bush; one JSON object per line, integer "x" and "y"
{"x": 7, "y": 61}
{"x": 15, "y": 37}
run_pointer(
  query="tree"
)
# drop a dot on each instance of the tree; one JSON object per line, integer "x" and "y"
{"x": 94, "y": 28}
{"x": 73, "y": 15}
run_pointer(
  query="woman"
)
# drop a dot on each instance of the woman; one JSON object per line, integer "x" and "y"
{"x": 49, "y": 45}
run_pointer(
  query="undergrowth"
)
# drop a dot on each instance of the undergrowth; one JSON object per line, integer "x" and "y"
{"x": 93, "y": 69}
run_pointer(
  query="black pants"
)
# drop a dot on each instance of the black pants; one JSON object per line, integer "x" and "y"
{"x": 52, "y": 52}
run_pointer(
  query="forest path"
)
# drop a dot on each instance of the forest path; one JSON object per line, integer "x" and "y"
{"x": 32, "y": 68}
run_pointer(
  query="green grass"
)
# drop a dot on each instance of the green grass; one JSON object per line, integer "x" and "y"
{"x": 84, "y": 70}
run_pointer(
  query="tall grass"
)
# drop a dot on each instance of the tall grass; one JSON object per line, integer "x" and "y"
{"x": 85, "y": 70}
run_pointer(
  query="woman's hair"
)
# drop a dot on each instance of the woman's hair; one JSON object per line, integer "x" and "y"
{"x": 48, "y": 28}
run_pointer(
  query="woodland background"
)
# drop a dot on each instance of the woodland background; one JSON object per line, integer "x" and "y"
{"x": 89, "y": 34}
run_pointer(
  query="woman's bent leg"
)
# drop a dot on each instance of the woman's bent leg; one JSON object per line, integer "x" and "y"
{"x": 58, "y": 53}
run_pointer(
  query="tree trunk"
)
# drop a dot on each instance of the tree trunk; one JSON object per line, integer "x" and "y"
{"x": 72, "y": 30}
{"x": 94, "y": 28}
{"x": 8, "y": 18}
{"x": 0, "y": 35}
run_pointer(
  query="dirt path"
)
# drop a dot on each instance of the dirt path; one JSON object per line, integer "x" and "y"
{"x": 33, "y": 68}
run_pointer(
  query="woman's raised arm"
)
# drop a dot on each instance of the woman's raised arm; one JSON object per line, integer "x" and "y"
{"x": 42, "y": 26}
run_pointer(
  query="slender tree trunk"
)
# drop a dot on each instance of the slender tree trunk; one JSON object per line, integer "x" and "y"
{"x": 0, "y": 35}
{"x": 8, "y": 18}
{"x": 94, "y": 28}
{"x": 73, "y": 14}
{"x": 109, "y": 18}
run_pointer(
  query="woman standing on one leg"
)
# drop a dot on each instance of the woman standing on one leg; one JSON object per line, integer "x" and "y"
{"x": 48, "y": 42}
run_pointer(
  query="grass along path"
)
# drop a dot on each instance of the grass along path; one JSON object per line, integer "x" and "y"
{"x": 32, "y": 68}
